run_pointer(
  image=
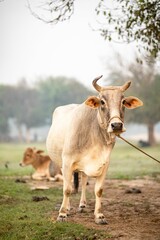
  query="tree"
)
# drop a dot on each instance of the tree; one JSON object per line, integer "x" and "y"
{"x": 33, "y": 106}
{"x": 4, "y": 128}
{"x": 5, "y": 110}
{"x": 150, "y": 113}
{"x": 52, "y": 11}
{"x": 20, "y": 103}
{"x": 120, "y": 20}
{"x": 59, "y": 91}
{"x": 146, "y": 86}
{"x": 151, "y": 109}
{"x": 27, "y": 109}
{"x": 131, "y": 20}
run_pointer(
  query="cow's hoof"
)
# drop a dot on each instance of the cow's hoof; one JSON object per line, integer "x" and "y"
{"x": 82, "y": 208}
{"x": 62, "y": 218}
{"x": 101, "y": 220}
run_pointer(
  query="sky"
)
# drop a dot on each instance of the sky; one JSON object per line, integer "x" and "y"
{"x": 29, "y": 48}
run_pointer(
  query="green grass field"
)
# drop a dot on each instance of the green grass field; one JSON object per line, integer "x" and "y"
{"x": 126, "y": 162}
{"x": 22, "y": 218}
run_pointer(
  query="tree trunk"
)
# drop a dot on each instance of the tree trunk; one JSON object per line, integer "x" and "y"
{"x": 20, "y": 135}
{"x": 28, "y": 135}
{"x": 151, "y": 137}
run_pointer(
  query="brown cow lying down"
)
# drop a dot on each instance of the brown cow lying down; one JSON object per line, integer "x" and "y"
{"x": 45, "y": 168}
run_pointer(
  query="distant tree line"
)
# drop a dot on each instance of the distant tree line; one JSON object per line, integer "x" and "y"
{"x": 33, "y": 106}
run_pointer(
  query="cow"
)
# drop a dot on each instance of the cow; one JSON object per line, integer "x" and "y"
{"x": 82, "y": 137}
{"x": 45, "y": 168}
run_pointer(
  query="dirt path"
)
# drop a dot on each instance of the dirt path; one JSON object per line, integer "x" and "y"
{"x": 131, "y": 215}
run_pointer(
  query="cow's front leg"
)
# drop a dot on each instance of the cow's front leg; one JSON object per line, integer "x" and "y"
{"x": 67, "y": 189}
{"x": 99, "y": 217}
{"x": 82, "y": 204}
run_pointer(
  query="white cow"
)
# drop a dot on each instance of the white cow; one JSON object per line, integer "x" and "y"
{"x": 82, "y": 137}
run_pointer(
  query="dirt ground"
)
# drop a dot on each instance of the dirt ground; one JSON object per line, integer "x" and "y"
{"x": 131, "y": 207}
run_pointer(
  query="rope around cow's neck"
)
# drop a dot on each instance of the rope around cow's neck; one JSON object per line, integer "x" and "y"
{"x": 137, "y": 148}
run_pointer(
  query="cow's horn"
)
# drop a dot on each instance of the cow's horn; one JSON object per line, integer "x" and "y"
{"x": 125, "y": 86}
{"x": 95, "y": 85}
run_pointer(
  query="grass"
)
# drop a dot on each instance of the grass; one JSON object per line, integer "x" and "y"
{"x": 126, "y": 162}
{"x": 22, "y": 218}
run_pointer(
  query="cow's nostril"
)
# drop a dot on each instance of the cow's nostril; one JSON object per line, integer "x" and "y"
{"x": 116, "y": 126}
{"x": 112, "y": 125}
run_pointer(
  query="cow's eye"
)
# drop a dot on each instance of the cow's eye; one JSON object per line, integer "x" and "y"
{"x": 102, "y": 102}
{"x": 123, "y": 101}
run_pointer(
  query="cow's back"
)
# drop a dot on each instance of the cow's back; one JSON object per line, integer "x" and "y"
{"x": 56, "y": 135}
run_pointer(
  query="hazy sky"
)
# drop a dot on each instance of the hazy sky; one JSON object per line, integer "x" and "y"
{"x": 30, "y": 48}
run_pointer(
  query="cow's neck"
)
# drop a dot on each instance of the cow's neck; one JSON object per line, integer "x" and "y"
{"x": 89, "y": 132}
{"x": 38, "y": 160}
{"x": 109, "y": 138}
{"x": 35, "y": 164}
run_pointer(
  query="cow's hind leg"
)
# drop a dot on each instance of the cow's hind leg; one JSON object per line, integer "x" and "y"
{"x": 82, "y": 204}
{"x": 67, "y": 189}
{"x": 99, "y": 217}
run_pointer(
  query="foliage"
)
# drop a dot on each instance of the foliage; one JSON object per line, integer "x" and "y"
{"x": 120, "y": 20}
{"x": 6, "y": 110}
{"x": 55, "y": 11}
{"x": 26, "y": 106}
{"x": 59, "y": 91}
{"x": 21, "y": 103}
{"x": 132, "y": 21}
{"x": 33, "y": 106}
{"x": 149, "y": 93}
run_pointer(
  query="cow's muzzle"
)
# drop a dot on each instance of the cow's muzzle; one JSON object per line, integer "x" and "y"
{"x": 21, "y": 164}
{"x": 116, "y": 125}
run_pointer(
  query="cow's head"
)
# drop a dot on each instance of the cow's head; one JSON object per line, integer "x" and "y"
{"x": 30, "y": 156}
{"x": 111, "y": 104}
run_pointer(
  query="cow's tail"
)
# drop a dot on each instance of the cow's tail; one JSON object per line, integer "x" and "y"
{"x": 76, "y": 182}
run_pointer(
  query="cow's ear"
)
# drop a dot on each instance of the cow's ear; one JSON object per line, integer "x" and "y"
{"x": 93, "y": 102}
{"x": 29, "y": 150}
{"x": 132, "y": 102}
{"x": 39, "y": 151}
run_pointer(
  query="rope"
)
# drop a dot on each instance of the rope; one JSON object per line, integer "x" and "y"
{"x": 137, "y": 148}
